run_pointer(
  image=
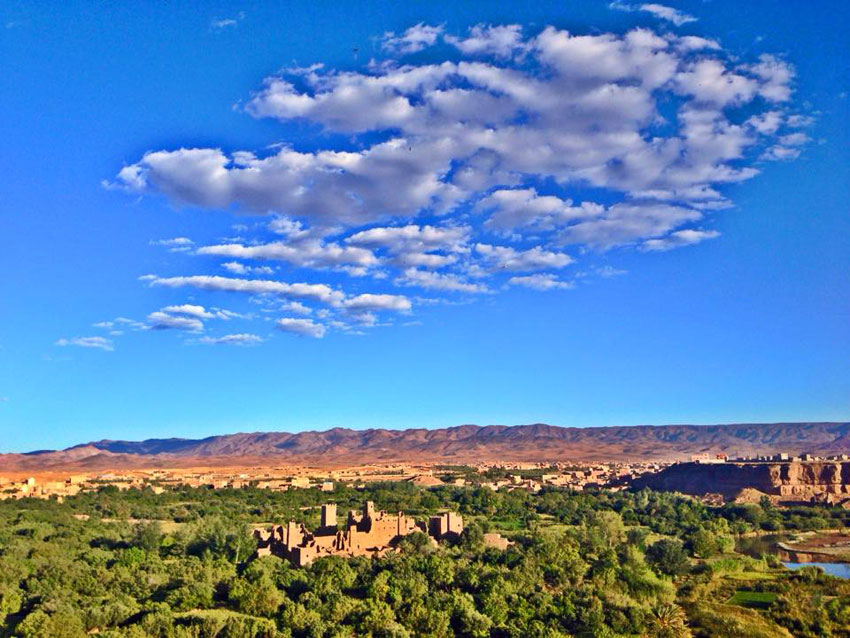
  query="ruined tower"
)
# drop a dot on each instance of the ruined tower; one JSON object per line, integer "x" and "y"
{"x": 329, "y": 515}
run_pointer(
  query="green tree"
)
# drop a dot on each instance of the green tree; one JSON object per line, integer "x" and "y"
{"x": 65, "y": 623}
{"x": 668, "y": 621}
{"x": 668, "y": 556}
{"x": 147, "y": 536}
{"x": 472, "y": 535}
{"x": 255, "y": 597}
{"x": 469, "y": 622}
{"x": 222, "y": 538}
{"x": 601, "y": 530}
{"x": 10, "y": 601}
{"x": 703, "y": 543}
{"x": 37, "y": 624}
{"x": 157, "y": 622}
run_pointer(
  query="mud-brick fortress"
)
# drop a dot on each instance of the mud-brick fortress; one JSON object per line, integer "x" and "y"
{"x": 369, "y": 534}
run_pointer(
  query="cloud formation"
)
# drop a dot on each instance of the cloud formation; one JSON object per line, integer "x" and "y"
{"x": 176, "y": 244}
{"x": 238, "y": 268}
{"x": 308, "y": 253}
{"x": 304, "y": 327}
{"x": 660, "y": 11}
{"x": 508, "y": 258}
{"x": 539, "y": 282}
{"x": 100, "y": 343}
{"x": 501, "y": 160}
{"x": 678, "y": 239}
{"x": 586, "y": 112}
{"x": 192, "y": 310}
{"x": 414, "y": 39}
{"x": 220, "y": 24}
{"x": 164, "y": 321}
{"x": 241, "y": 339}
{"x": 314, "y": 292}
{"x": 501, "y": 41}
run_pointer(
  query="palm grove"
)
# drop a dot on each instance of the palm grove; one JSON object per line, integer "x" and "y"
{"x": 603, "y": 565}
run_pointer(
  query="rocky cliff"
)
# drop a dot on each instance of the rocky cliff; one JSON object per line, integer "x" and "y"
{"x": 795, "y": 481}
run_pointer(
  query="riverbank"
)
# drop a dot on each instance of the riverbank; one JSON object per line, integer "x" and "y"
{"x": 819, "y": 547}
{"x": 826, "y": 546}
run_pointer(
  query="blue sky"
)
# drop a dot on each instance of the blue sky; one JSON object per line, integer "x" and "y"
{"x": 577, "y": 213}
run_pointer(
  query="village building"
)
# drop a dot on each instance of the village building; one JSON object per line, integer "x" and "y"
{"x": 370, "y": 533}
{"x": 497, "y": 541}
{"x": 425, "y": 480}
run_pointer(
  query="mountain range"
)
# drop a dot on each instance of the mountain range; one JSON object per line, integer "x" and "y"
{"x": 460, "y": 444}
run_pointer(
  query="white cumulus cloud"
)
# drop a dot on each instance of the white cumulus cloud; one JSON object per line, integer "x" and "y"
{"x": 678, "y": 239}
{"x": 486, "y": 39}
{"x": 661, "y": 11}
{"x": 176, "y": 244}
{"x": 438, "y": 281}
{"x": 101, "y": 343}
{"x": 305, "y": 327}
{"x": 507, "y": 149}
{"x": 416, "y": 38}
{"x": 240, "y": 339}
{"x": 238, "y": 268}
{"x": 539, "y": 281}
{"x": 308, "y": 253}
{"x": 163, "y": 321}
{"x": 368, "y": 301}
{"x": 316, "y": 292}
{"x": 192, "y": 310}
{"x": 509, "y": 258}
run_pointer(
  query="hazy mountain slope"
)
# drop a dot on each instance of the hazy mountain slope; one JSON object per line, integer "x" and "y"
{"x": 465, "y": 443}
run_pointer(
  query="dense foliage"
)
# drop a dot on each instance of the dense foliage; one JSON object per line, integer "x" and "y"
{"x": 180, "y": 564}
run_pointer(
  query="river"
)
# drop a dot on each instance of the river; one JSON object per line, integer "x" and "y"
{"x": 757, "y": 546}
{"x": 841, "y": 570}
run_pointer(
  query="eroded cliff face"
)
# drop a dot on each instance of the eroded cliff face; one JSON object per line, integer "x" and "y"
{"x": 796, "y": 481}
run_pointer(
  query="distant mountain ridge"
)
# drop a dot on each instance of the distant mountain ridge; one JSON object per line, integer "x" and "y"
{"x": 463, "y": 443}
